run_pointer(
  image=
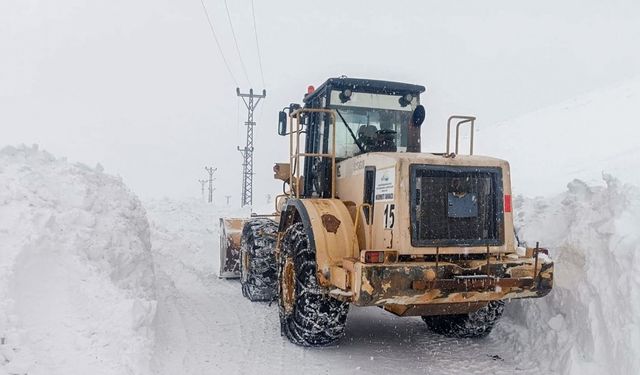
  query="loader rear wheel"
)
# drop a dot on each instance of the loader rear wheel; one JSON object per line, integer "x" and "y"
{"x": 473, "y": 325}
{"x": 308, "y": 315}
{"x": 257, "y": 260}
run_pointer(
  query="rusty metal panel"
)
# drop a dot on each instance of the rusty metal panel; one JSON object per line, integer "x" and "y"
{"x": 413, "y": 283}
{"x": 340, "y": 278}
{"x": 435, "y": 309}
{"x": 472, "y": 284}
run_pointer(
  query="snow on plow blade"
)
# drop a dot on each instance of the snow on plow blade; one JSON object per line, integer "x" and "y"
{"x": 230, "y": 236}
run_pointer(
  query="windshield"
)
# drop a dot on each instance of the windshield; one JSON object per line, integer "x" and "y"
{"x": 379, "y": 123}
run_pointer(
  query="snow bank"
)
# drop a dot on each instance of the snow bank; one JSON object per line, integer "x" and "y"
{"x": 76, "y": 274}
{"x": 590, "y": 323}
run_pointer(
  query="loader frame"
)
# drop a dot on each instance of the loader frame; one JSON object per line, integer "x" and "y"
{"x": 359, "y": 260}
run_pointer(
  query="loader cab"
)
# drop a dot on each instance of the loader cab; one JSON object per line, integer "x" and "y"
{"x": 371, "y": 116}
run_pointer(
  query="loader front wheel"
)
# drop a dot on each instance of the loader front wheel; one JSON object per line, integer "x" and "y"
{"x": 308, "y": 315}
{"x": 257, "y": 260}
{"x": 473, "y": 325}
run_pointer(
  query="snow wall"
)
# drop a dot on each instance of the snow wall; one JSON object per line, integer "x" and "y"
{"x": 590, "y": 323}
{"x": 76, "y": 273}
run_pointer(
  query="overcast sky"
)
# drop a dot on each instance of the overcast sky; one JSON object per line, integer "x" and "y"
{"x": 140, "y": 87}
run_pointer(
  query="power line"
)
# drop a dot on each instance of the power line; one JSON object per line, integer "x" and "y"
{"x": 255, "y": 31}
{"x": 213, "y": 31}
{"x": 235, "y": 41}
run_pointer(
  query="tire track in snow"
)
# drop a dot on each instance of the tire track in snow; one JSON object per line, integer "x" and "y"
{"x": 204, "y": 311}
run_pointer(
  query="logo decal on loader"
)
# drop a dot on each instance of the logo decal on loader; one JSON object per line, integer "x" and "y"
{"x": 330, "y": 223}
{"x": 385, "y": 184}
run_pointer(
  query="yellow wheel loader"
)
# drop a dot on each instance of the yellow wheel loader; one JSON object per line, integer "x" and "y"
{"x": 367, "y": 219}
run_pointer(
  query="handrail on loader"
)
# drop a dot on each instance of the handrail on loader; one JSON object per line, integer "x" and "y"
{"x": 463, "y": 120}
{"x": 294, "y": 148}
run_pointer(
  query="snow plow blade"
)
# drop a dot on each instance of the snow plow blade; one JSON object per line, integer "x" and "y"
{"x": 230, "y": 237}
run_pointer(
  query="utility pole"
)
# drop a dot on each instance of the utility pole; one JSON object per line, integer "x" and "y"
{"x": 211, "y": 171}
{"x": 228, "y": 198}
{"x": 202, "y": 183}
{"x": 251, "y": 101}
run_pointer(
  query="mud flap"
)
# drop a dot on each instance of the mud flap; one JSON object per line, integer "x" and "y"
{"x": 230, "y": 237}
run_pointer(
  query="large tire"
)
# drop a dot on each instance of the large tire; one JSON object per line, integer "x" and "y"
{"x": 258, "y": 261}
{"x": 308, "y": 315}
{"x": 473, "y": 325}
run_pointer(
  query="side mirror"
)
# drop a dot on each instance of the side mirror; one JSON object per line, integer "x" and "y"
{"x": 282, "y": 123}
{"x": 418, "y": 116}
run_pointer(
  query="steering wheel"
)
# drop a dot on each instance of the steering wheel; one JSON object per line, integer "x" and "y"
{"x": 386, "y": 132}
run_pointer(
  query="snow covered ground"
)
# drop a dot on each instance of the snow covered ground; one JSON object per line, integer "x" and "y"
{"x": 204, "y": 325}
{"x": 590, "y": 324}
{"x": 94, "y": 282}
{"x": 82, "y": 269}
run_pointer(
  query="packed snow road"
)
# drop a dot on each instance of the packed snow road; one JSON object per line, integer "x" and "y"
{"x": 205, "y": 326}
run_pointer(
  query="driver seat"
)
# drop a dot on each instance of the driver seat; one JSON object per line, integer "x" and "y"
{"x": 367, "y": 135}
{"x": 367, "y": 132}
{"x": 374, "y": 140}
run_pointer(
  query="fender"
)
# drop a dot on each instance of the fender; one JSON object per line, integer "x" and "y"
{"x": 329, "y": 227}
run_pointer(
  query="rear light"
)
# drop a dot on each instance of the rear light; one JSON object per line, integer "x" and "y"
{"x": 507, "y": 203}
{"x": 374, "y": 256}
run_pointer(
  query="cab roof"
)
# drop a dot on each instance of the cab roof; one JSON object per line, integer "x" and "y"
{"x": 365, "y": 85}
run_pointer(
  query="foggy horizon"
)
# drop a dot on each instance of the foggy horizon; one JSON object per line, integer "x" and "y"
{"x": 141, "y": 88}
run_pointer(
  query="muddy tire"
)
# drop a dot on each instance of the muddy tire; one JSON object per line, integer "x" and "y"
{"x": 257, "y": 260}
{"x": 473, "y": 325}
{"x": 308, "y": 315}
